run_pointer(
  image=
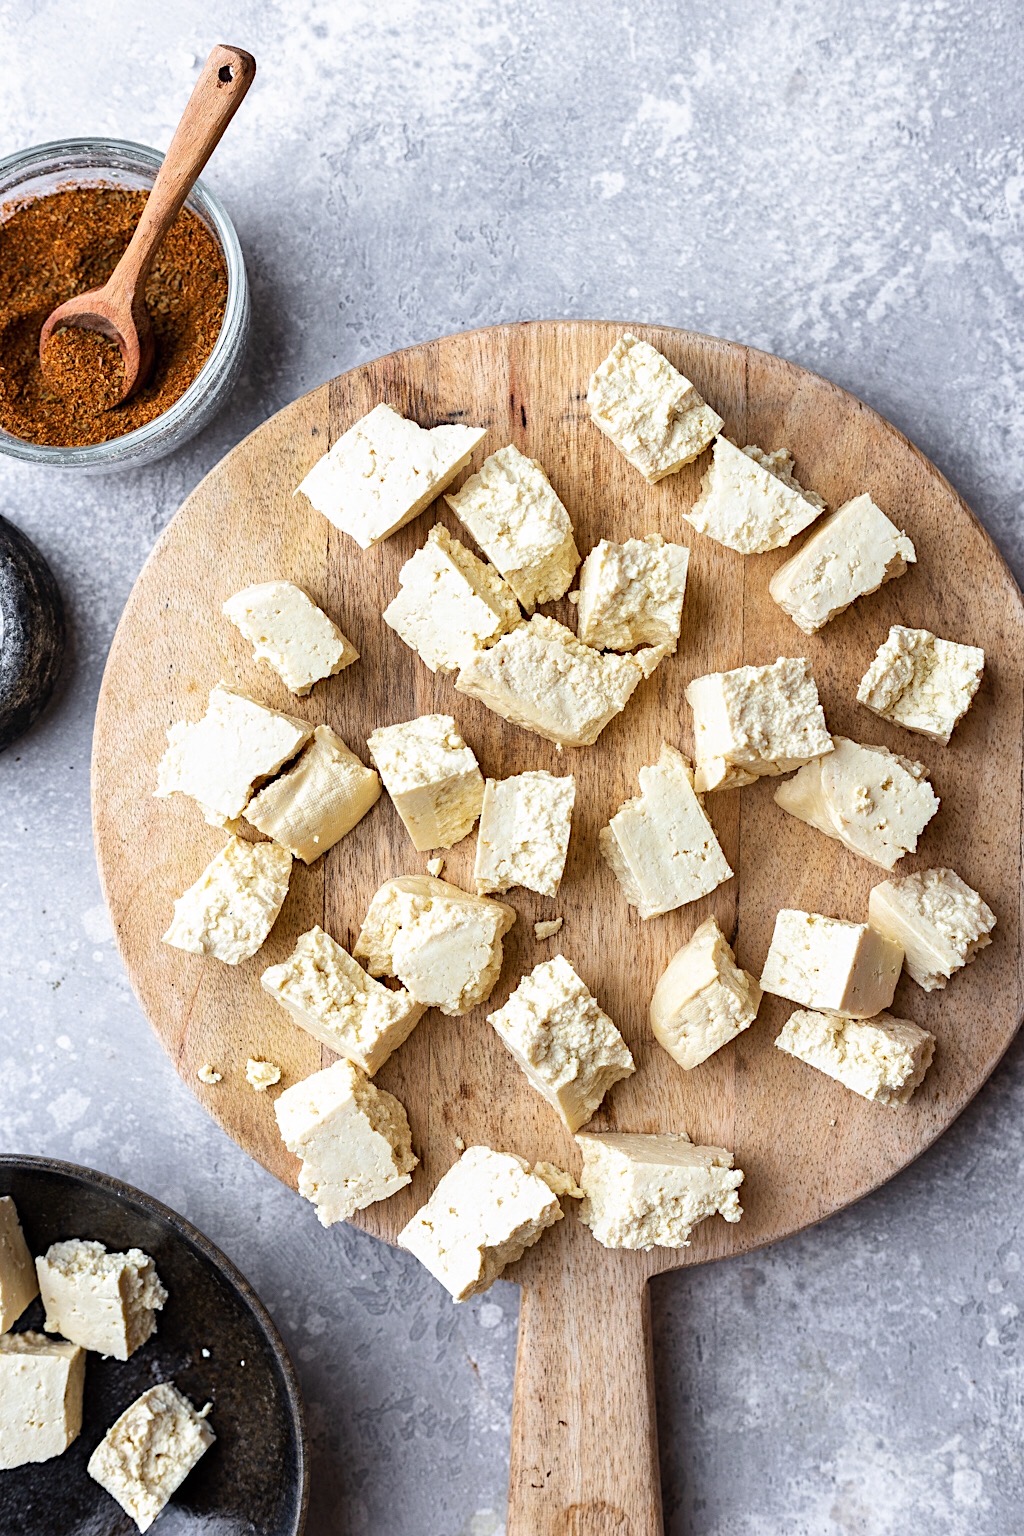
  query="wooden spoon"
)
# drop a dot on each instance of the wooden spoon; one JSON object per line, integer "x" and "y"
{"x": 118, "y": 309}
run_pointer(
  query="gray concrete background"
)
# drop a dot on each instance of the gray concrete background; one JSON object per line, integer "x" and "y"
{"x": 841, "y": 185}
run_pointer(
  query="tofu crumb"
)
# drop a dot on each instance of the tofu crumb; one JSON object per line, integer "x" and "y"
{"x": 207, "y": 1074}
{"x": 261, "y": 1075}
{"x": 548, "y": 928}
{"x": 460, "y": 1145}
{"x": 434, "y": 867}
{"x": 205, "y": 1354}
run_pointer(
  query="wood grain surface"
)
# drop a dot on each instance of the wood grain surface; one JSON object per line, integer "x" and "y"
{"x": 584, "y": 1457}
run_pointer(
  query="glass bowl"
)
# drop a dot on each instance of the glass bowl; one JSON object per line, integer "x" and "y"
{"x": 117, "y": 162}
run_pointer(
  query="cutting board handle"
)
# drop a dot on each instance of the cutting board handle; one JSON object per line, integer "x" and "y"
{"x": 584, "y": 1456}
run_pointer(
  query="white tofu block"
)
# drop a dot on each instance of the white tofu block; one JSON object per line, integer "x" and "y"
{"x": 852, "y": 552}
{"x": 449, "y": 603}
{"x": 290, "y": 633}
{"x": 751, "y": 501}
{"x": 832, "y": 965}
{"x": 443, "y": 944}
{"x": 332, "y": 998}
{"x": 524, "y": 832}
{"x": 566, "y": 1044}
{"x": 18, "y": 1284}
{"x": 921, "y": 682}
{"x": 432, "y": 777}
{"x": 652, "y": 414}
{"x": 883, "y": 1059}
{"x": 318, "y": 800}
{"x": 872, "y": 801}
{"x": 484, "y": 1214}
{"x": 106, "y": 1302}
{"x": 41, "y": 1383}
{"x": 148, "y": 1452}
{"x": 512, "y": 511}
{"x": 660, "y": 846}
{"x": 703, "y": 999}
{"x": 940, "y": 921}
{"x": 541, "y": 677}
{"x": 632, "y": 594}
{"x": 233, "y": 905}
{"x": 352, "y": 1139}
{"x": 219, "y": 758}
{"x": 758, "y": 720}
{"x": 651, "y": 1191}
{"x": 384, "y": 471}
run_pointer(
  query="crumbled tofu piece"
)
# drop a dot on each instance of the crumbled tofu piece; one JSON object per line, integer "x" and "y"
{"x": 548, "y": 927}
{"x": 106, "y": 1302}
{"x": 703, "y": 998}
{"x": 541, "y": 677}
{"x": 41, "y": 1383}
{"x": 261, "y": 1075}
{"x": 148, "y": 1452}
{"x": 432, "y": 777}
{"x": 661, "y": 846}
{"x": 484, "y": 1214}
{"x": 18, "y": 1284}
{"x": 652, "y": 414}
{"x": 352, "y": 1139}
{"x": 921, "y": 682}
{"x": 208, "y": 1074}
{"x": 318, "y": 801}
{"x": 883, "y": 1058}
{"x": 651, "y": 1191}
{"x": 760, "y": 720}
{"x": 872, "y": 801}
{"x": 332, "y": 998}
{"x": 219, "y": 758}
{"x": 443, "y": 944}
{"x": 566, "y": 1044}
{"x": 830, "y": 964}
{"x": 384, "y": 471}
{"x": 234, "y": 904}
{"x": 524, "y": 832}
{"x": 632, "y": 594}
{"x": 852, "y": 552}
{"x": 513, "y": 513}
{"x": 290, "y": 633}
{"x": 435, "y": 866}
{"x": 940, "y": 921}
{"x": 557, "y": 1180}
{"x": 450, "y": 603}
{"x": 751, "y": 501}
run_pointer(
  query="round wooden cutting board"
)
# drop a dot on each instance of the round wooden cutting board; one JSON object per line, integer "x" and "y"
{"x": 584, "y": 1453}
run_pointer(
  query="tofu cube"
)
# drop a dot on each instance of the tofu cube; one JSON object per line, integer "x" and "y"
{"x": 660, "y": 846}
{"x": 566, "y": 1044}
{"x": 322, "y": 797}
{"x": 883, "y": 1059}
{"x": 386, "y": 470}
{"x": 106, "y": 1302}
{"x": 290, "y": 633}
{"x": 432, "y": 777}
{"x": 352, "y": 1139}
{"x": 524, "y": 832}
{"x": 632, "y": 594}
{"x": 541, "y": 677}
{"x": 233, "y": 905}
{"x": 484, "y": 1214}
{"x": 832, "y": 965}
{"x": 872, "y": 801}
{"x": 41, "y": 1383}
{"x": 852, "y": 552}
{"x": 443, "y": 944}
{"x": 511, "y": 509}
{"x": 921, "y": 682}
{"x": 332, "y": 998}
{"x": 940, "y": 921}
{"x": 148, "y": 1452}
{"x": 18, "y": 1284}
{"x": 651, "y": 1191}
{"x": 450, "y": 603}
{"x": 218, "y": 759}
{"x": 652, "y": 414}
{"x": 703, "y": 998}
{"x": 760, "y": 720}
{"x": 751, "y": 501}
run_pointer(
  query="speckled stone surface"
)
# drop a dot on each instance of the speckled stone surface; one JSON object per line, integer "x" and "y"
{"x": 841, "y": 185}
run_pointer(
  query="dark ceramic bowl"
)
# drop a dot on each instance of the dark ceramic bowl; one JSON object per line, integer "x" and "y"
{"x": 254, "y": 1479}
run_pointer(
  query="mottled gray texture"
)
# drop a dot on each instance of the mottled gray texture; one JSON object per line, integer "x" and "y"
{"x": 842, "y": 185}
